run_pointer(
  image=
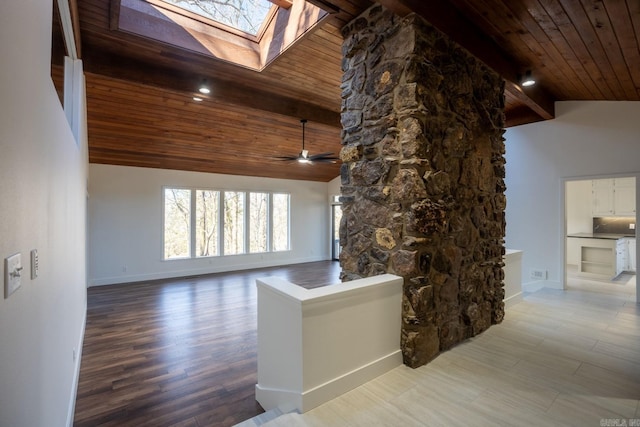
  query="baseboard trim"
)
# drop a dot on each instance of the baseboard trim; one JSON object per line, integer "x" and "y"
{"x": 513, "y": 300}
{"x": 306, "y": 400}
{"x": 537, "y": 285}
{"x": 198, "y": 271}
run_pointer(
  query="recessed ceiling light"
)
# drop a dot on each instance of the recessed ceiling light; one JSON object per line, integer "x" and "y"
{"x": 204, "y": 87}
{"x": 527, "y": 80}
{"x": 197, "y": 99}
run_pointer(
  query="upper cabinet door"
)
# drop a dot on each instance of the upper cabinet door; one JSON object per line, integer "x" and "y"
{"x": 624, "y": 196}
{"x": 602, "y": 199}
{"x": 614, "y": 197}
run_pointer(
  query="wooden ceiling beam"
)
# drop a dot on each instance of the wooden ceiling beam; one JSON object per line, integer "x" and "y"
{"x": 535, "y": 97}
{"x": 124, "y": 68}
{"x": 521, "y": 116}
{"x": 445, "y": 17}
{"x": 326, "y": 6}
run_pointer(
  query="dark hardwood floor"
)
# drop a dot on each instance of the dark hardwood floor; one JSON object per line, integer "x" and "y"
{"x": 179, "y": 352}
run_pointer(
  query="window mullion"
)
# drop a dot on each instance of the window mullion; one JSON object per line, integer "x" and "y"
{"x": 192, "y": 224}
{"x": 270, "y": 223}
{"x": 247, "y": 220}
{"x": 221, "y": 222}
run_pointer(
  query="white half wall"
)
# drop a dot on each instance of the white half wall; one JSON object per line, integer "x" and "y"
{"x": 43, "y": 206}
{"x": 317, "y": 344}
{"x": 125, "y": 223}
{"x": 587, "y": 139}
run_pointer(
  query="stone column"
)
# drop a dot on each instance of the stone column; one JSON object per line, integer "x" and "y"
{"x": 422, "y": 177}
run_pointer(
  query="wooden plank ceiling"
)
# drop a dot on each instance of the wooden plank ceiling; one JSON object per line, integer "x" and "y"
{"x": 139, "y": 91}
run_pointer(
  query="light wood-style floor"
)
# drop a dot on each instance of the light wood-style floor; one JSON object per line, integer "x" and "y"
{"x": 560, "y": 358}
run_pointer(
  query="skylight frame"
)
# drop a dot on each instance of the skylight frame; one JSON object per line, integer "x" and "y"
{"x": 161, "y": 22}
{"x": 217, "y": 24}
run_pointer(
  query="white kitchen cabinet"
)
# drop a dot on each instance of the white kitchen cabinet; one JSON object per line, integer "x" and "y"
{"x": 622, "y": 256}
{"x": 602, "y": 190}
{"x": 624, "y": 196}
{"x": 606, "y": 257}
{"x": 614, "y": 197}
{"x": 631, "y": 255}
{"x": 598, "y": 257}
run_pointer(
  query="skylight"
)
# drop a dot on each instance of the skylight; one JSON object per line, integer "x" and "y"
{"x": 244, "y": 15}
{"x": 278, "y": 26}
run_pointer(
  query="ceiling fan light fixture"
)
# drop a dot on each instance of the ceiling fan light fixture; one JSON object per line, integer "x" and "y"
{"x": 527, "y": 80}
{"x": 304, "y": 157}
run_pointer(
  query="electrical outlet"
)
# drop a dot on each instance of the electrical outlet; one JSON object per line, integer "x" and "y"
{"x": 12, "y": 274}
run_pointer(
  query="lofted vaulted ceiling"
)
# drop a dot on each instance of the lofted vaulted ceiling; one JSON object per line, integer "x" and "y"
{"x": 139, "y": 91}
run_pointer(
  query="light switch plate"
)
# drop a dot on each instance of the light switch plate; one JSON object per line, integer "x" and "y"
{"x": 34, "y": 263}
{"x": 12, "y": 274}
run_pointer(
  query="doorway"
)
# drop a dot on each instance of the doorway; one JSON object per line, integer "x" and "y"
{"x": 600, "y": 236}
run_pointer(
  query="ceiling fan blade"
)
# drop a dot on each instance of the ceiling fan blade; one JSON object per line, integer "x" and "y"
{"x": 321, "y": 155}
{"x": 324, "y": 156}
{"x": 324, "y": 160}
{"x": 304, "y": 156}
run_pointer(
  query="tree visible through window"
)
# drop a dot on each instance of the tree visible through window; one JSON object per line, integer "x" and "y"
{"x": 205, "y": 223}
{"x": 280, "y": 238}
{"x": 207, "y": 204}
{"x": 233, "y": 222}
{"x": 243, "y": 15}
{"x": 177, "y": 223}
{"x": 258, "y": 222}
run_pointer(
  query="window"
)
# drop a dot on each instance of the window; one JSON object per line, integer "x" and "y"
{"x": 244, "y": 15}
{"x": 233, "y": 222}
{"x": 242, "y": 32}
{"x": 258, "y": 222}
{"x": 177, "y": 223}
{"x": 207, "y": 203}
{"x": 205, "y": 223}
{"x": 280, "y": 241}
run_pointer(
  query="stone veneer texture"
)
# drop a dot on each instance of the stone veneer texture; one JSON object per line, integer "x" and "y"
{"x": 422, "y": 177}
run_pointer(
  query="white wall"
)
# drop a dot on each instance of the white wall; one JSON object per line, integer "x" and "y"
{"x": 42, "y": 184}
{"x": 578, "y": 206}
{"x": 587, "y": 139}
{"x": 125, "y": 223}
{"x": 334, "y": 186}
{"x": 578, "y": 203}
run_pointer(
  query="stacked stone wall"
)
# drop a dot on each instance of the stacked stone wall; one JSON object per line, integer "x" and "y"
{"x": 422, "y": 177}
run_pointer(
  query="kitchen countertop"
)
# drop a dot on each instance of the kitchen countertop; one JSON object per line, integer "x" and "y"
{"x": 609, "y": 236}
